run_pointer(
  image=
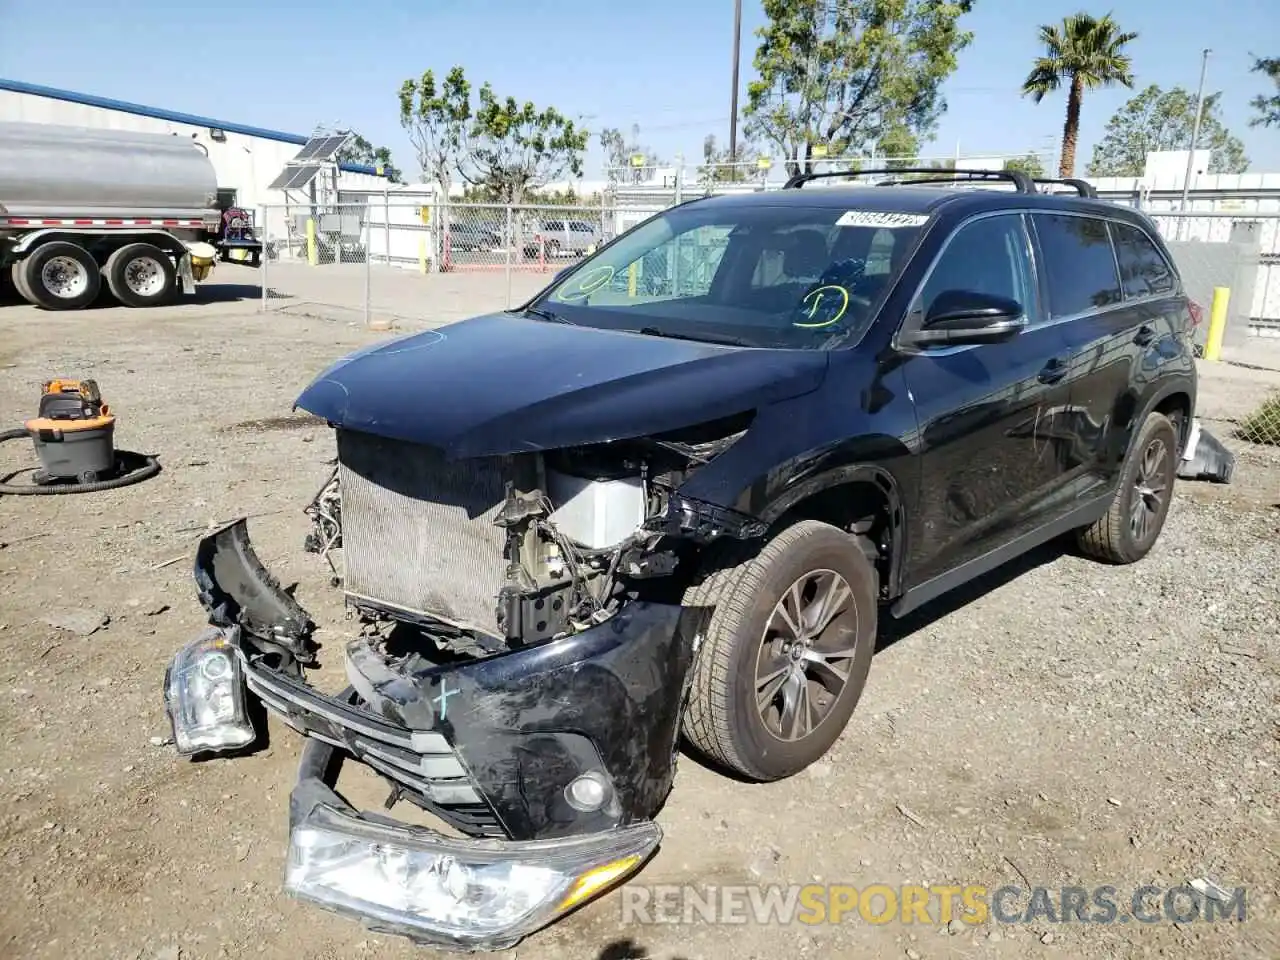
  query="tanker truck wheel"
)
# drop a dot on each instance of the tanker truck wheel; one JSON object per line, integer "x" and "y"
{"x": 19, "y": 282}
{"x": 140, "y": 275}
{"x": 60, "y": 276}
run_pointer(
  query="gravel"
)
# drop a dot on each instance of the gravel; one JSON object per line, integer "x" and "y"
{"x": 1060, "y": 723}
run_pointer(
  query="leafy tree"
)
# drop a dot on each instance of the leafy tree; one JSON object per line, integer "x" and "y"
{"x": 1030, "y": 165}
{"x": 620, "y": 156}
{"x": 718, "y": 167}
{"x": 360, "y": 150}
{"x": 435, "y": 116}
{"x": 899, "y": 146}
{"x": 1268, "y": 108}
{"x": 1083, "y": 52}
{"x": 513, "y": 148}
{"x": 1163, "y": 120}
{"x": 843, "y": 74}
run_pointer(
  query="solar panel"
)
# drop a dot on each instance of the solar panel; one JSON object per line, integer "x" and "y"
{"x": 321, "y": 148}
{"x": 295, "y": 178}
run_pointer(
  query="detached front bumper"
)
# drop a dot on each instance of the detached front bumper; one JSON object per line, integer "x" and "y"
{"x": 462, "y": 894}
{"x": 552, "y": 759}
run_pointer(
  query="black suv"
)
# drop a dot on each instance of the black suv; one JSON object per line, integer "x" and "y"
{"x": 675, "y": 492}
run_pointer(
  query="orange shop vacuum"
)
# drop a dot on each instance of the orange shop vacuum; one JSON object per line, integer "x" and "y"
{"x": 74, "y": 438}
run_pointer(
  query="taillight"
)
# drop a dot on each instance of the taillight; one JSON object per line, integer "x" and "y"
{"x": 1196, "y": 311}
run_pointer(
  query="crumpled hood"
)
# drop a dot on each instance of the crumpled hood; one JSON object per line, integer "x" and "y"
{"x": 504, "y": 384}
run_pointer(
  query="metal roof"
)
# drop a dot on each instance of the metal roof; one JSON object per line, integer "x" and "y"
{"x": 172, "y": 116}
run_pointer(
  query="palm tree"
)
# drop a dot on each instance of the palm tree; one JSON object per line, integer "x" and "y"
{"x": 1084, "y": 52}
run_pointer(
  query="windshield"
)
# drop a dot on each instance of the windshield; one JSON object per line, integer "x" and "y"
{"x": 761, "y": 275}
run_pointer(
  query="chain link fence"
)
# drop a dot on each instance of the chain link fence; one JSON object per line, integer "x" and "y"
{"x": 387, "y": 261}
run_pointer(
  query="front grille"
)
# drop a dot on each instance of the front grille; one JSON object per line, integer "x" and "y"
{"x": 420, "y": 761}
{"x": 417, "y": 530}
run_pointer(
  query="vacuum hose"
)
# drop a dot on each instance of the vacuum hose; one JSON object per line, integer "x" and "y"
{"x": 147, "y": 466}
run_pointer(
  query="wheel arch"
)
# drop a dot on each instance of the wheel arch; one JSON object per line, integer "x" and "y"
{"x": 862, "y": 499}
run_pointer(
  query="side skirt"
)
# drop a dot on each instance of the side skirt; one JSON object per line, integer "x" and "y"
{"x": 1080, "y": 516}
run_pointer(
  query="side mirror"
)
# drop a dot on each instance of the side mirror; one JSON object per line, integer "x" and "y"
{"x": 963, "y": 317}
{"x": 562, "y": 273}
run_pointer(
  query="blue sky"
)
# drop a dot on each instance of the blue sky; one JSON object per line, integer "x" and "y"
{"x": 662, "y": 64}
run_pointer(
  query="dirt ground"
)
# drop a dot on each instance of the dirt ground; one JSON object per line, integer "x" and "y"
{"x": 1060, "y": 724}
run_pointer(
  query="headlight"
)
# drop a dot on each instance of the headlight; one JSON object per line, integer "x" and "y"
{"x": 204, "y": 695}
{"x": 463, "y": 893}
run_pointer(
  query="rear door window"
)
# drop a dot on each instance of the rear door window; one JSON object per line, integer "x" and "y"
{"x": 1079, "y": 263}
{"x": 1144, "y": 272}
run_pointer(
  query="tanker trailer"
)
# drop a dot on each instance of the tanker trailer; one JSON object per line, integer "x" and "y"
{"x": 84, "y": 208}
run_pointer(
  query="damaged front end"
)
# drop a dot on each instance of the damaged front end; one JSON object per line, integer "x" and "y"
{"x": 520, "y": 674}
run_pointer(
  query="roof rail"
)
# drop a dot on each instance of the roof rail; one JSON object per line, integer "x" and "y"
{"x": 1082, "y": 187}
{"x": 1022, "y": 183}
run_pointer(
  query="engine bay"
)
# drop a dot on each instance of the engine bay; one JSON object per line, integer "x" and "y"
{"x": 482, "y": 556}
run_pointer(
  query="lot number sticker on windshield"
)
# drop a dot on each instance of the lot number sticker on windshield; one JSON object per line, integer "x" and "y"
{"x": 873, "y": 218}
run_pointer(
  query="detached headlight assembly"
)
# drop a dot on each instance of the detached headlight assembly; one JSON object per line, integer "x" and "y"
{"x": 467, "y": 894}
{"x": 204, "y": 695}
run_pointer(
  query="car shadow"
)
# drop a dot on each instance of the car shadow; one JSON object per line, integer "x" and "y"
{"x": 205, "y": 293}
{"x": 627, "y": 949}
{"x": 893, "y": 629}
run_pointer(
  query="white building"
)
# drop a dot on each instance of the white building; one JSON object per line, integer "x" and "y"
{"x": 246, "y": 159}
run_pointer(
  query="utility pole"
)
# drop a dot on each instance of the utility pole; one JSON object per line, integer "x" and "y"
{"x": 1195, "y": 130}
{"x": 733, "y": 99}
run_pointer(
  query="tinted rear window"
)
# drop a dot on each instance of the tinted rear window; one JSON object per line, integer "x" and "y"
{"x": 1078, "y": 262}
{"x": 1144, "y": 272}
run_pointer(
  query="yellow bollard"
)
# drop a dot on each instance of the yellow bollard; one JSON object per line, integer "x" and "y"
{"x": 631, "y": 281}
{"x": 1217, "y": 323}
{"x": 312, "y": 253}
{"x": 422, "y": 254}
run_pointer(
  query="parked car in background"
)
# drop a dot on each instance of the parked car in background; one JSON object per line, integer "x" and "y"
{"x": 564, "y": 237}
{"x": 472, "y": 236}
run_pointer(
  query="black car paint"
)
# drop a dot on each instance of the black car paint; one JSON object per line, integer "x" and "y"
{"x": 505, "y": 383}
{"x": 979, "y": 454}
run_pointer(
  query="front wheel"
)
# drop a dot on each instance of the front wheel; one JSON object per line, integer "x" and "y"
{"x": 785, "y": 653}
{"x": 60, "y": 276}
{"x": 1132, "y": 524}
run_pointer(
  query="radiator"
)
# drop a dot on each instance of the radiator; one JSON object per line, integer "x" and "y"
{"x": 417, "y": 530}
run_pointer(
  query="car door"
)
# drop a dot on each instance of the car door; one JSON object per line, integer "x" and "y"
{"x": 1112, "y": 293}
{"x": 989, "y": 469}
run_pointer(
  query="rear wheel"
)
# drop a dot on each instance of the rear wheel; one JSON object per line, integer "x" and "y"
{"x": 1133, "y": 523}
{"x": 786, "y": 651}
{"x": 60, "y": 276}
{"x": 17, "y": 275}
{"x": 141, "y": 275}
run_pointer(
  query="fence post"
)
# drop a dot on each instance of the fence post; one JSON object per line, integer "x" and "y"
{"x": 507, "y": 243}
{"x": 386, "y": 224}
{"x": 312, "y": 253}
{"x": 263, "y": 258}
{"x": 1217, "y": 323}
{"x": 368, "y": 257}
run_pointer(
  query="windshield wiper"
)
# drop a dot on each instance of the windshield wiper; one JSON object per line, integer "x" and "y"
{"x": 670, "y": 335}
{"x": 547, "y": 315}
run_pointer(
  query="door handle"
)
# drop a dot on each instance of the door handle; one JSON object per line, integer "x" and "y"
{"x": 1144, "y": 335}
{"x": 1054, "y": 370}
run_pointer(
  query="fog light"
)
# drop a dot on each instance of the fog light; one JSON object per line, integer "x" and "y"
{"x": 204, "y": 695}
{"x": 588, "y": 792}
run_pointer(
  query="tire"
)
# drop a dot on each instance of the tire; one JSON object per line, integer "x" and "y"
{"x": 17, "y": 276}
{"x": 740, "y": 643}
{"x": 60, "y": 276}
{"x": 1126, "y": 535}
{"x": 141, "y": 275}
